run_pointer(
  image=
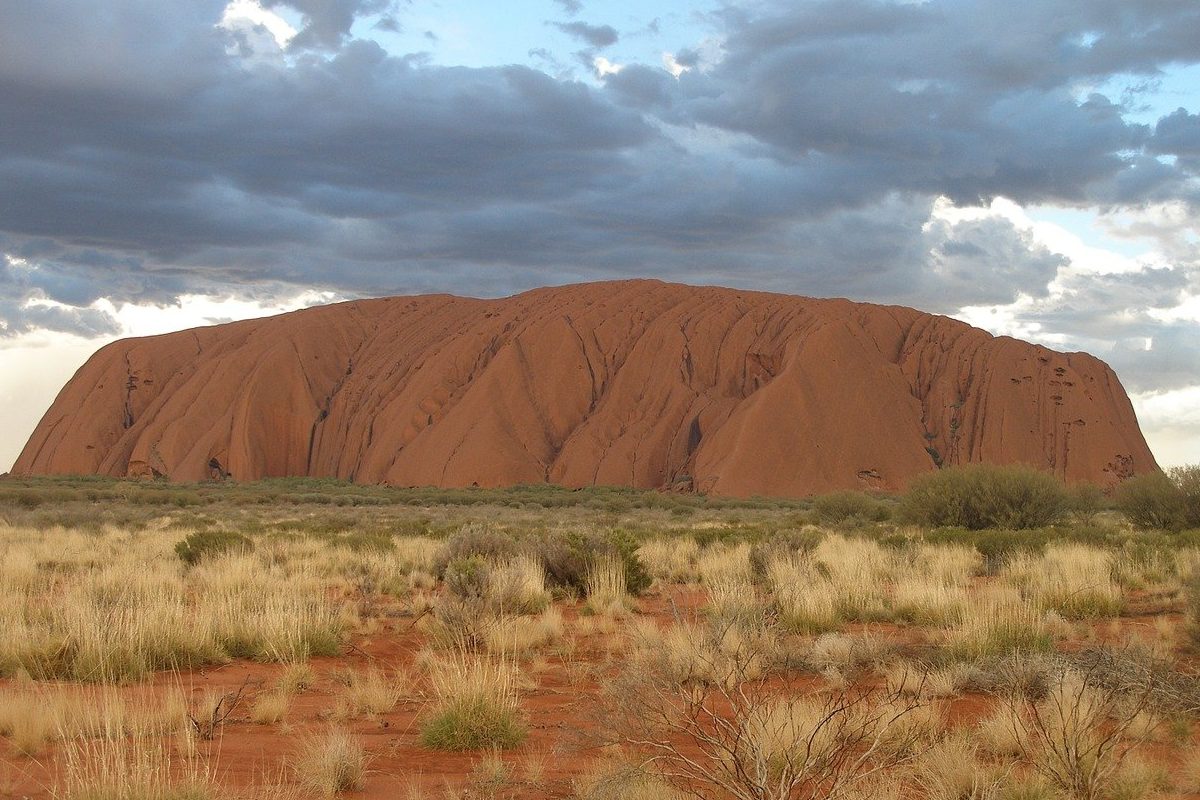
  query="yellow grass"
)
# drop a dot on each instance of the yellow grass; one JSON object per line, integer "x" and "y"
{"x": 129, "y": 609}
{"x": 114, "y": 766}
{"x": 671, "y": 560}
{"x": 34, "y": 715}
{"x": 1073, "y": 580}
{"x": 520, "y": 635}
{"x": 330, "y": 763}
{"x": 606, "y": 588}
{"x": 368, "y": 692}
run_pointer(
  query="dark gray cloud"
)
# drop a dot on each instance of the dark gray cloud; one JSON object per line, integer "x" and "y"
{"x": 597, "y": 36}
{"x": 327, "y": 22}
{"x": 147, "y": 153}
{"x": 1178, "y": 134}
{"x": 24, "y": 290}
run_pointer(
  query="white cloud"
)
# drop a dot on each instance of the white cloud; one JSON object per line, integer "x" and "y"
{"x": 239, "y": 13}
{"x": 605, "y": 67}
{"x": 672, "y": 66}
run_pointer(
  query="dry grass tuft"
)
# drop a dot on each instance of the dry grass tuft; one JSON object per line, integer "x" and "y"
{"x": 476, "y": 703}
{"x": 367, "y": 692}
{"x": 606, "y": 589}
{"x": 117, "y": 767}
{"x": 330, "y": 763}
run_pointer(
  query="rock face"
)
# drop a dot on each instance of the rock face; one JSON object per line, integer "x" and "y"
{"x": 635, "y": 383}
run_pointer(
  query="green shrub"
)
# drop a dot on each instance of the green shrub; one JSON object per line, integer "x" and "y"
{"x": 1085, "y": 502}
{"x": 472, "y": 726}
{"x": 983, "y": 496}
{"x": 475, "y": 540}
{"x": 1187, "y": 478}
{"x": 468, "y": 578}
{"x": 1154, "y": 501}
{"x": 568, "y": 558}
{"x": 843, "y": 507}
{"x": 200, "y": 545}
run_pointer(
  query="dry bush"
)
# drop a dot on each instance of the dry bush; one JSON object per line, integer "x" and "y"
{"x": 805, "y": 601}
{"x": 715, "y": 650}
{"x": 732, "y": 596}
{"x": 33, "y": 716}
{"x": 296, "y": 678}
{"x": 520, "y": 635}
{"x": 128, "y": 611}
{"x": 1080, "y": 734}
{"x": 606, "y": 587}
{"x": 858, "y": 570}
{"x": 672, "y": 560}
{"x": 751, "y": 734}
{"x": 614, "y": 779}
{"x": 1138, "y": 779}
{"x": 330, "y": 763}
{"x": 1154, "y": 569}
{"x": 270, "y": 707}
{"x": 721, "y": 560}
{"x": 925, "y": 601}
{"x": 489, "y": 774}
{"x": 996, "y": 623}
{"x": 845, "y": 653}
{"x": 948, "y": 565}
{"x": 518, "y": 586}
{"x": 925, "y": 682}
{"x": 1000, "y": 731}
{"x": 1187, "y": 778}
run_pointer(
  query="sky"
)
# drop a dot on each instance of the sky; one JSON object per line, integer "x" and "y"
{"x": 1029, "y": 166}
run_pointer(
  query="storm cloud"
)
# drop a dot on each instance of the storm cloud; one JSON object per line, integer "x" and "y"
{"x": 148, "y": 152}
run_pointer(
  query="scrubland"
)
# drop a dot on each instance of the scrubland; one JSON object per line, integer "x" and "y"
{"x": 986, "y": 635}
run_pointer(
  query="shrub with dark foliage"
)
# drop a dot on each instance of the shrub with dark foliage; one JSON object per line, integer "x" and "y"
{"x": 1167, "y": 501}
{"x": 568, "y": 556}
{"x": 986, "y": 496}
{"x": 201, "y": 545}
{"x": 475, "y": 540}
{"x": 850, "y": 507}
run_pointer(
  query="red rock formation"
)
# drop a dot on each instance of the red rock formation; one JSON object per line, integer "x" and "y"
{"x": 634, "y": 383}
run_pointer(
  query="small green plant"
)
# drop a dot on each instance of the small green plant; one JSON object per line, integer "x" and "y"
{"x": 468, "y": 578}
{"x": 477, "y": 540}
{"x": 201, "y": 545}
